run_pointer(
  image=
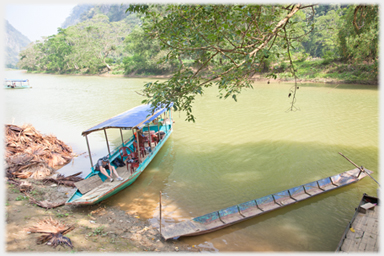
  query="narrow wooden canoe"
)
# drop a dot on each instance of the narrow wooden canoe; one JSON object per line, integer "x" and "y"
{"x": 362, "y": 232}
{"x": 96, "y": 187}
{"x": 220, "y": 219}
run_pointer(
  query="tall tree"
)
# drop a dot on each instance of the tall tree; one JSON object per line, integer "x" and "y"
{"x": 359, "y": 36}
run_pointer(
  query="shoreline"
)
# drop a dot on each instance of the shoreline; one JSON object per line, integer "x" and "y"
{"x": 256, "y": 78}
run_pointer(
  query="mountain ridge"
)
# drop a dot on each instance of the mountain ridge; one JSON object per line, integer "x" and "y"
{"x": 15, "y": 41}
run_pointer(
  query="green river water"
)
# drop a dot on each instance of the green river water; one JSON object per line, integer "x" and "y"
{"x": 235, "y": 152}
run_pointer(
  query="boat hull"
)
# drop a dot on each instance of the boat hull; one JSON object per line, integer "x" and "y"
{"x": 17, "y": 87}
{"x": 223, "y": 218}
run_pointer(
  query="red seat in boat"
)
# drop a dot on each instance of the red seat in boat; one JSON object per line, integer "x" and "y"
{"x": 142, "y": 149}
{"x": 134, "y": 164}
{"x": 154, "y": 138}
{"x": 126, "y": 152}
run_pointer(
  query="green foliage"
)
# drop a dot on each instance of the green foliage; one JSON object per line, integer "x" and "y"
{"x": 359, "y": 36}
{"x": 319, "y": 69}
{"x": 99, "y": 231}
{"x": 144, "y": 54}
{"x": 62, "y": 215}
{"x": 21, "y": 198}
{"x": 88, "y": 47}
{"x": 323, "y": 38}
{"x": 227, "y": 44}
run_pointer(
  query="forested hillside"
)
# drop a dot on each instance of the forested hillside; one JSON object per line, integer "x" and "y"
{"x": 90, "y": 46}
{"x": 14, "y": 43}
{"x": 100, "y": 38}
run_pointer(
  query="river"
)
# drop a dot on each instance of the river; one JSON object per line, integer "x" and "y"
{"x": 233, "y": 153}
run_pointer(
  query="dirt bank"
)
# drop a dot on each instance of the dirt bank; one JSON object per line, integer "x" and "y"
{"x": 98, "y": 228}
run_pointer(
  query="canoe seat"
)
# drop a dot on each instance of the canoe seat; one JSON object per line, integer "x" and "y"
{"x": 298, "y": 193}
{"x": 88, "y": 184}
{"x": 313, "y": 188}
{"x": 249, "y": 209}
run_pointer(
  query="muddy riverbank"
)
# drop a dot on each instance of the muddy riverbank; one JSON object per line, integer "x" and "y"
{"x": 98, "y": 228}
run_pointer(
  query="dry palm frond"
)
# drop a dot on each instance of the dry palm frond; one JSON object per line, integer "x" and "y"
{"x": 40, "y": 171}
{"x": 19, "y": 159}
{"x": 23, "y": 175}
{"x": 48, "y": 225}
{"x": 54, "y": 240}
{"x": 54, "y": 232}
{"x": 26, "y": 149}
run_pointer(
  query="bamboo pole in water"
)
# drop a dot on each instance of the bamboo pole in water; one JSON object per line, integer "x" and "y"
{"x": 160, "y": 214}
{"x": 360, "y": 168}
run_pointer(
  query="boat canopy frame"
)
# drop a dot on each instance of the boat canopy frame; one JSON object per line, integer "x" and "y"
{"x": 132, "y": 119}
{"x": 17, "y": 80}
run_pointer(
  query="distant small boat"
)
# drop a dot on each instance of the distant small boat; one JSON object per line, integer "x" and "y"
{"x": 16, "y": 84}
{"x": 223, "y": 218}
{"x": 150, "y": 132}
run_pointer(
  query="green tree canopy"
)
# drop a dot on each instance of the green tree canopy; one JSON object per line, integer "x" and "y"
{"x": 86, "y": 47}
{"x": 227, "y": 43}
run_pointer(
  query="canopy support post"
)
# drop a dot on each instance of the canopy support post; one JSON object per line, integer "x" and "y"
{"x": 158, "y": 127}
{"x": 149, "y": 137}
{"x": 165, "y": 122}
{"x": 138, "y": 144}
{"x": 121, "y": 134}
{"x": 89, "y": 151}
{"x": 106, "y": 138}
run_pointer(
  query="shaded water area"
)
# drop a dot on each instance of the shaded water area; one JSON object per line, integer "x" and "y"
{"x": 235, "y": 152}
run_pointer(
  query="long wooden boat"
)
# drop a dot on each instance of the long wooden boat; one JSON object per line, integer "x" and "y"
{"x": 362, "y": 232}
{"x": 16, "y": 84}
{"x": 96, "y": 187}
{"x": 222, "y": 218}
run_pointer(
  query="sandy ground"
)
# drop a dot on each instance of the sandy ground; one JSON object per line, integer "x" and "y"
{"x": 98, "y": 228}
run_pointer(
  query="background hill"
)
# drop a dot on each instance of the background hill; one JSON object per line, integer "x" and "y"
{"x": 14, "y": 43}
{"x": 83, "y": 12}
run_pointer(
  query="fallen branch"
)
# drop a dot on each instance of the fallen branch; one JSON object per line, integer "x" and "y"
{"x": 66, "y": 181}
{"x": 44, "y": 204}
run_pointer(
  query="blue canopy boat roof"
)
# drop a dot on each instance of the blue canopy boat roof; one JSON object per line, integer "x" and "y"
{"x": 136, "y": 117}
{"x": 16, "y": 80}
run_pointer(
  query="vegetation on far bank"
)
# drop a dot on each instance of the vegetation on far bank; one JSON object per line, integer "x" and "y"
{"x": 311, "y": 70}
{"x": 320, "y": 69}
